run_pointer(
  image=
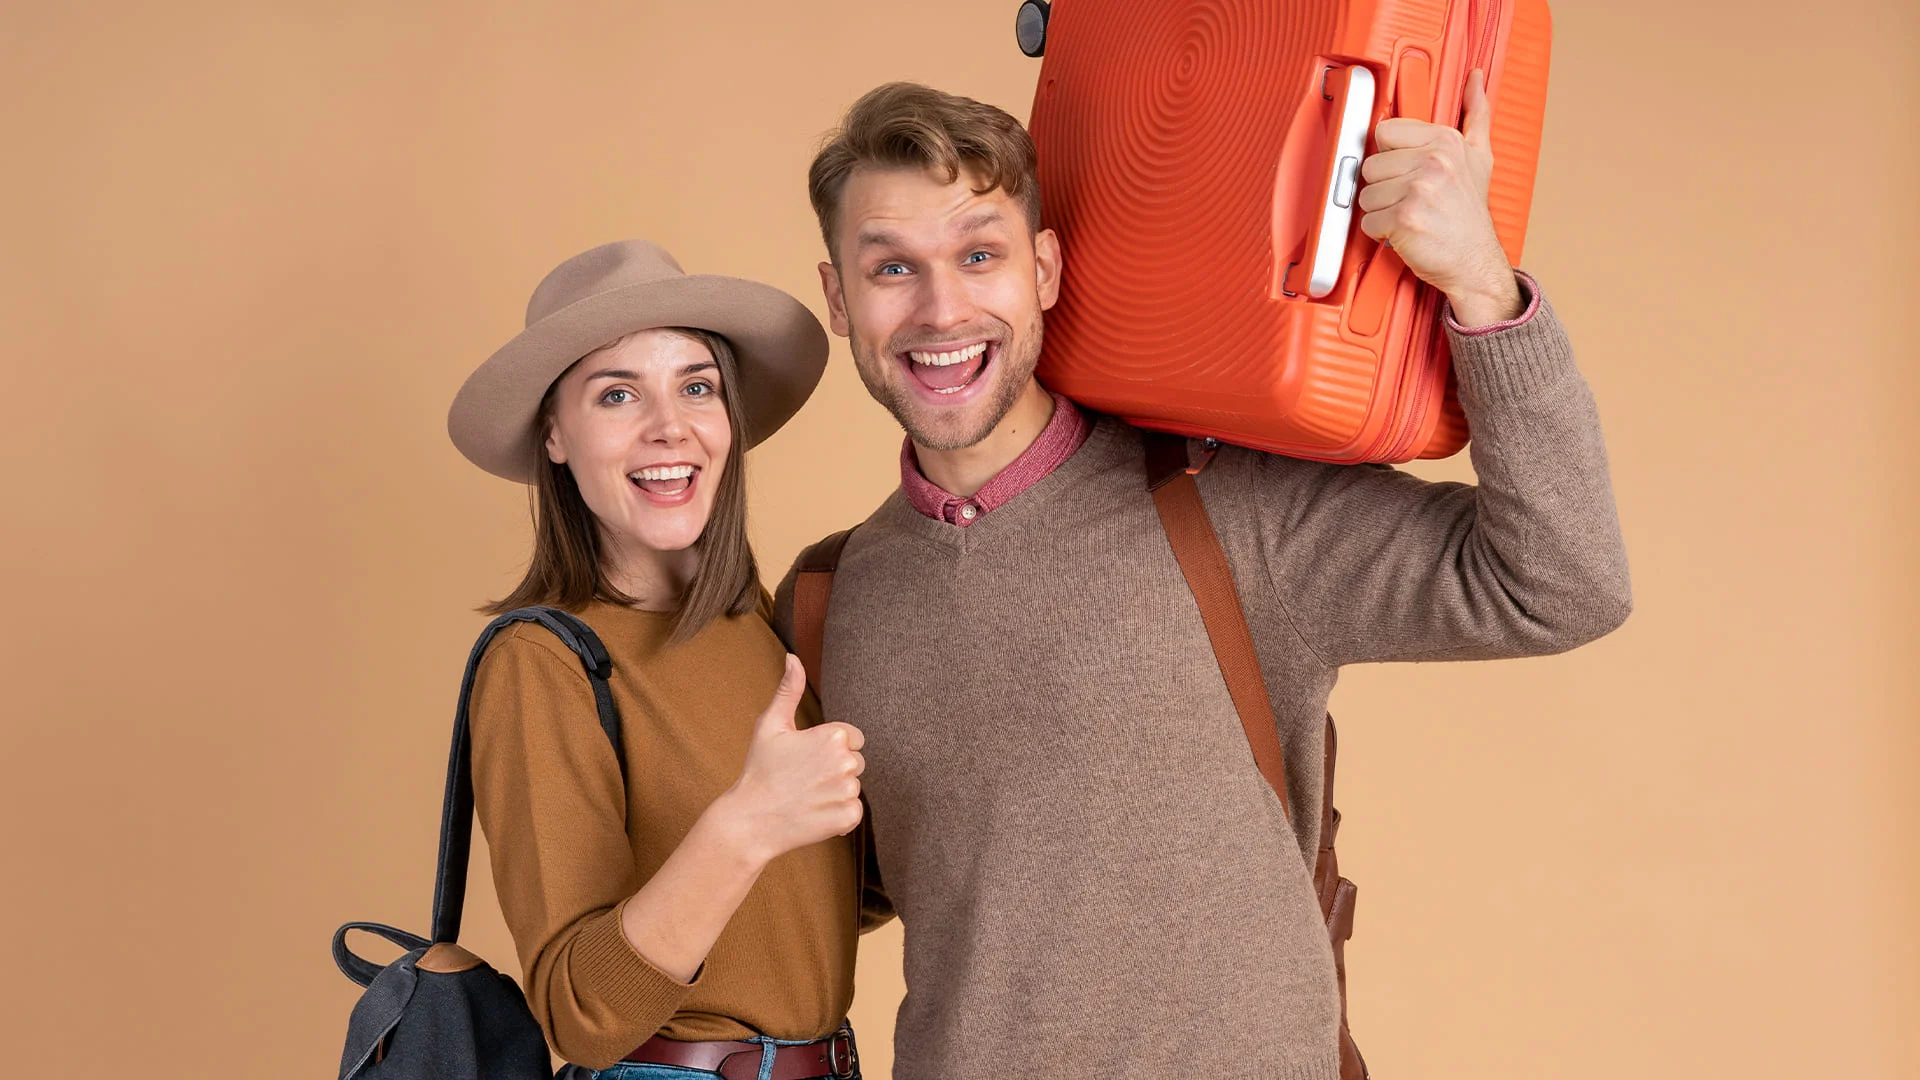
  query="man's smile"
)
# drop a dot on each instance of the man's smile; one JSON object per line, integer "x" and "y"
{"x": 949, "y": 369}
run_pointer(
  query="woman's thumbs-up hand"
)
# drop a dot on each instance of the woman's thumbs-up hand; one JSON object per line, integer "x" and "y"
{"x": 798, "y": 787}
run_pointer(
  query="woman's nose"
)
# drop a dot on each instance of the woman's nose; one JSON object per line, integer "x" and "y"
{"x": 663, "y": 422}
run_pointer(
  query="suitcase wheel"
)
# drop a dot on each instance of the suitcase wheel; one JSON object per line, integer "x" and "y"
{"x": 1030, "y": 27}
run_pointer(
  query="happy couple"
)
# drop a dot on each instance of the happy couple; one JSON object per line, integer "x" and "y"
{"x": 1027, "y": 750}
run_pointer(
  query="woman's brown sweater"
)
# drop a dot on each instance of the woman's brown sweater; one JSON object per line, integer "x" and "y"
{"x": 570, "y": 843}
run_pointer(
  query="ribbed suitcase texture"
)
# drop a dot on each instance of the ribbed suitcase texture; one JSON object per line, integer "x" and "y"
{"x": 1184, "y": 148}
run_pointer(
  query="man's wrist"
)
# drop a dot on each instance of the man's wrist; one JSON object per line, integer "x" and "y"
{"x": 1487, "y": 304}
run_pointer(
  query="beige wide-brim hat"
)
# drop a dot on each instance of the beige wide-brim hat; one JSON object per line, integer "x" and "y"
{"x": 601, "y": 295}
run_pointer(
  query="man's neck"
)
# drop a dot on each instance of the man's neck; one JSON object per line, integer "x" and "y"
{"x": 965, "y": 471}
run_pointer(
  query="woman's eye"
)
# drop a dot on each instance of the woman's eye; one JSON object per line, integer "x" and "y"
{"x": 617, "y": 396}
{"x": 699, "y": 389}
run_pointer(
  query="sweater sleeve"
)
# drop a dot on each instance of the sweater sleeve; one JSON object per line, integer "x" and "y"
{"x": 1375, "y": 564}
{"x": 553, "y": 808}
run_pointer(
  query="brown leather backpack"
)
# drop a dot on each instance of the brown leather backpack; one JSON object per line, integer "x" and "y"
{"x": 1204, "y": 564}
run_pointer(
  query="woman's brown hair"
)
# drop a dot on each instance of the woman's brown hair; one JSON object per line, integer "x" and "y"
{"x": 566, "y": 570}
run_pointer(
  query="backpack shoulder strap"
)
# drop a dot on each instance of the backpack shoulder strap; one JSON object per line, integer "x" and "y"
{"x": 1204, "y": 564}
{"x": 456, "y": 814}
{"x": 812, "y": 585}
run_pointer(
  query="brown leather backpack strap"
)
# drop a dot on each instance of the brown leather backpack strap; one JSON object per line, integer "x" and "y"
{"x": 1337, "y": 896}
{"x": 812, "y": 586}
{"x": 1204, "y": 563}
{"x": 1326, "y": 866}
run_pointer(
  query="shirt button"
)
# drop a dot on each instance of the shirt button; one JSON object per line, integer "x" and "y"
{"x": 969, "y": 511}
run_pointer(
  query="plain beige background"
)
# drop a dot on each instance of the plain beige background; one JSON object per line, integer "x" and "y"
{"x": 250, "y": 250}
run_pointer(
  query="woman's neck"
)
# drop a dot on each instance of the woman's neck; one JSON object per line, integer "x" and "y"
{"x": 654, "y": 580}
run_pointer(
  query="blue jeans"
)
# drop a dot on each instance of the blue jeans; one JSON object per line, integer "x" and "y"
{"x": 628, "y": 1070}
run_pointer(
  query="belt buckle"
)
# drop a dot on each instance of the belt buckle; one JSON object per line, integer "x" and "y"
{"x": 843, "y": 1068}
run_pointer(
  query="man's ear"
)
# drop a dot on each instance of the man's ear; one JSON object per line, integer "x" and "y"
{"x": 836, "y": 299}
{"x": 1046, "y": 267}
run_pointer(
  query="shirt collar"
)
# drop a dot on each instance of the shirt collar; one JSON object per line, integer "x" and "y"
{"x": 1056, "y": 443}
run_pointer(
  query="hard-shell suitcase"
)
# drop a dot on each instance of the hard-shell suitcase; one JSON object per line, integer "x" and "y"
{"x": 1199, "y": 160}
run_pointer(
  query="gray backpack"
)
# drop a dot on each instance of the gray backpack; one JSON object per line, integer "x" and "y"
{"x": 439, "y": 1012}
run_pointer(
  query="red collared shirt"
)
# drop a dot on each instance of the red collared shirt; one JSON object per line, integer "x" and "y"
{"x": 1057, "y": 442}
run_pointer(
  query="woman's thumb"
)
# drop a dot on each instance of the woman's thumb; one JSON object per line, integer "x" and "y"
{"x": 786, "y": 698}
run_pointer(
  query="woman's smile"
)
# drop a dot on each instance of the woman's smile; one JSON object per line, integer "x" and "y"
{"x": 667, "y": 484}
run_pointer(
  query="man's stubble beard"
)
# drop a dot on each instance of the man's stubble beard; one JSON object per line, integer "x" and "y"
{"x": 1012, "y": 372}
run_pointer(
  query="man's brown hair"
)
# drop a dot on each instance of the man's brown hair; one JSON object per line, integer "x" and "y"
{"x": 567, "y": 569}
{"x": 906, "y": 125}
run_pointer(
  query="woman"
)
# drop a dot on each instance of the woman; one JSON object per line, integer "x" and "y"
{"x": 700, "y": 918}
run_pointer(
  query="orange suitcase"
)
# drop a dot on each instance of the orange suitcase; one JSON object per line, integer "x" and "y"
{"x": 1189, "y": 151}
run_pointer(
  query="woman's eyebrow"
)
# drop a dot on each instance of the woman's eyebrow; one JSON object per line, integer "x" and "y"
{"x": 621, "y": 373}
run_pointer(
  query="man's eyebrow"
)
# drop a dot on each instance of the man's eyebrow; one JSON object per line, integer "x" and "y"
{"x": 876, "y": 238}
{"x": 978, "y": 221}
{"x": 870, "y": 237}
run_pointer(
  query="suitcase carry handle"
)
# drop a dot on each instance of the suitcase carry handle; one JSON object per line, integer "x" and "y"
{"x": 1351, "y": 89}
{"x": 1412, "y": 97}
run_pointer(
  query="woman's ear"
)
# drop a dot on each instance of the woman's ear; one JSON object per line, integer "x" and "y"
{"x": 556, "y": 449}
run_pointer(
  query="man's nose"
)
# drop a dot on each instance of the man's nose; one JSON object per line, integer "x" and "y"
{"x": 944, "y": 300}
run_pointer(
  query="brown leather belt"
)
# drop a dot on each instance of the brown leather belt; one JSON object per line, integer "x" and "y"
{"x": 829, "y": 1057}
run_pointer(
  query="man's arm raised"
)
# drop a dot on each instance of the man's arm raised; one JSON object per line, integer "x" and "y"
{"x": 1376, "y": 564}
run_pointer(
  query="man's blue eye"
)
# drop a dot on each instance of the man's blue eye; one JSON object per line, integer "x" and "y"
{"x": 889, "y": 269}
{"x": 976, "y": 255}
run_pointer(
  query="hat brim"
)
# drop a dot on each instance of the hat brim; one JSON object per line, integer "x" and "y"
{"x": 780, "y": 345}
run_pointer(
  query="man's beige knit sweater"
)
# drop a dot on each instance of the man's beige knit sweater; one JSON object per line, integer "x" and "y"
{"x": 1094, "y": 879}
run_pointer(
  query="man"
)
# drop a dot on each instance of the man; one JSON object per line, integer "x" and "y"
{"x": 1094, "y": 879}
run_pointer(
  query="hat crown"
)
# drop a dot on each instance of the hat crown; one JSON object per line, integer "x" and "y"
{"x": 607, "y": 267}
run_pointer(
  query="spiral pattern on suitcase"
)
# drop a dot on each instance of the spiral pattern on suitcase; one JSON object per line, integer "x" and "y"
{"x": 1163, "y": 198}
{"x": 1160, "y": 127}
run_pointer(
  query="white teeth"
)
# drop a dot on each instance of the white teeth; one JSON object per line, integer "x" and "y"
{"x": 943, "y": 359}
{"x": 664, "y": 472}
